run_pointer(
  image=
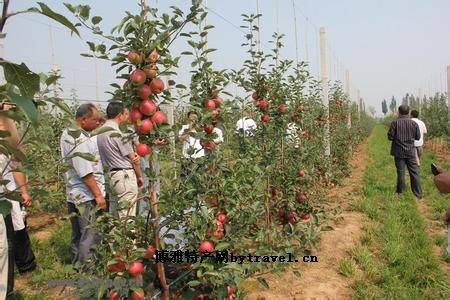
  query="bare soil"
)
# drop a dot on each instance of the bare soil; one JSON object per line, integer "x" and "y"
{"x": 434, "y": 228}
{"x": 321, "y": 280}
{"x": 439, "y": 148}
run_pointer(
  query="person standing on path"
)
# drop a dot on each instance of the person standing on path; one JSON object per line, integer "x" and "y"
{"x": 83, "y": 192}
{"x": 403, "y": 132}
{"x": 423, "y": 130}
{"x": 118, "y": 156}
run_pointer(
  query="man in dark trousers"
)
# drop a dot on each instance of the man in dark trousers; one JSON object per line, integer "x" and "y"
{"x": 403, "y": 132}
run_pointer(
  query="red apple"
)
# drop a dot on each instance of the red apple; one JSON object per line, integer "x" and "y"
{"x": 157, "y": 85}
{"x": 218, "y": 234}
{"x": 221, "y": 217}
{"x": 149, "y": 252}
{"x": 301, "y": 107}
{"x": 209, "y": 104}
{"x": 263, "y": 104}
{"x": 159, "y": 117}
{"x": 138, "y": 77}
{"x": 147, "y": 107}
{"x": 153, "y": 56}
{"x": 219, "y": 99}
{"x": 209, "y": 146}
{"x": 200, "y": 296}
{"x": 255, "y": 96}
{"x": 209, "y": 128}
{"x": 118, "y": 266}
{"x": 134, "y": 58}
{"x": 290, "y": 218}
{"x": 151, "y": 71}
{"x": 144, "y": 91}
{"x": 265, "y": 118}
{"x": 113, "y": 295}
{"x": 143, "y": 149}
{"x": 304, "y": 216}
{"x": 138, "y": 294}
{"x": 230, "y": 290}
{"x": 146, "y": 126}
{"x": 135, "y": 115}
{"x": 206, "y": 246}
{"x": 301, "y": 172}
{"x": 275, "y": 191}
{"x": 301, "y": 197}
{"x": 212, "y": 201}
{"x": 214, "y": 114}
{"x": 135, "y": 268}
{"x": 282, "y": 108}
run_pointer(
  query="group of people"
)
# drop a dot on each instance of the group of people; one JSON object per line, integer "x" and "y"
{"x": 113, "y": 154}
{"x": 407, "y": 134}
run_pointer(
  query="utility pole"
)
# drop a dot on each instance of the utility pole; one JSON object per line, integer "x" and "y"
{"x": 448, "y": 99}
{"x": 359, "y": 103}
{"x": 206, "y": 24}
{"x": 295, "y": 31}
{"x": 419, "y": 102}
{"x": 349, "y": 115}
{"x": 259, "y": 27}
{"x": 324, "y": 79}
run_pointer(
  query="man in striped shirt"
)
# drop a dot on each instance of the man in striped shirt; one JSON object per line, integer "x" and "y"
{"x": 403, "y": 132}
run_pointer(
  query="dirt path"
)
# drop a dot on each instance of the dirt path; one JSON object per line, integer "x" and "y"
{"x": 321, "y": 280}
{"x": 434, "y": 227}
{"x": 40, "y": 225}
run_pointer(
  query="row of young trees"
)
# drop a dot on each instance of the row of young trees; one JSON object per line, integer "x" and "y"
{"x": 261, "y": 194}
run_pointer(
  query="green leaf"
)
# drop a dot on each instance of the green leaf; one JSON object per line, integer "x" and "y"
{"x": 5, "y": 207}
{"x": 22, "y": 77}
{"x": 91, "y": 46}
{"x": 263, "y": 282}
{"x": 51, "y": 79}
{"x": 84, "y": 12}
{"x": 209, "y": 50}
{"x": 326, "y": 228}
{"x": 96, "y": 19}
{"x": 166, "y": 18}
{"x": 86, "y": 156}
{"x": 46, "y": 11}
{"x": 27, "y": 105}
{"x": 4, "y": 133}
{"x": 222, "y": 246}
{"x": 74, "y": 133}
{"x": 297, "y": 273}
{"x": 194, "y": 283}
{"x": 58, "y": 102}
{"x": 12, "y": 150}
{"x": 101, "y": 130}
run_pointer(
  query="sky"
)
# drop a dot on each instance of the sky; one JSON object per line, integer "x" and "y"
{"x": 390, "y": 47}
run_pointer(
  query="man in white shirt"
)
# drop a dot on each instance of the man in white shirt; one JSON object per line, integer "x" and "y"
{"x": 292, "y": 136}
{"x": 219, "y": 134}
{"x": 247, "y": 124}
{"x": 423, "y": 130}
{"x": 192, "y": 149}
